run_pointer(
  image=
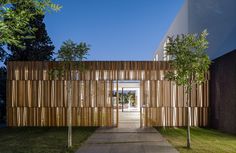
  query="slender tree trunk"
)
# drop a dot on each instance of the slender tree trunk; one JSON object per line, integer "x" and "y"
{"x": 188, "y": 119}
{"x": 122, "y": 100}
{"x": 69, "y": 113}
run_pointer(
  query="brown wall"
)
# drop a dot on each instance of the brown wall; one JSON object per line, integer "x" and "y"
{"x": 35, "y": 98}
{"x": 223, "y": 93}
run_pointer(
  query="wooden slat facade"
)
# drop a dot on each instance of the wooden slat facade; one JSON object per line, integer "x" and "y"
{"x": 35, "y": 98}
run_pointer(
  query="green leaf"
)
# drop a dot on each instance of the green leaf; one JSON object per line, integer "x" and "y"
{"x": 188, "y": 59}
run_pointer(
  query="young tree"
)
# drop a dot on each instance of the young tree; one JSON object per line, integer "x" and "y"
{"x": 13, "y": 24}
{"x": 69, "y": 53}
{"x": 190, "y": 64}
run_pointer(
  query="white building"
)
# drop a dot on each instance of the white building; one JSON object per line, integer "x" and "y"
{"x": 217, "y": 16}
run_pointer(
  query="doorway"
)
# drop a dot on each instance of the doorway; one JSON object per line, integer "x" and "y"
{"x": 128, "y": 110}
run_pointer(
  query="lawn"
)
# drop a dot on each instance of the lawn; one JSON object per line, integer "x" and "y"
{"x": 41, "y": 140}
{"x": 203, "y": 140}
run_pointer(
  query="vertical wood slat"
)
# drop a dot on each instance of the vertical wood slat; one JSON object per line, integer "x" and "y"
{"x": 173, "y": 111}
{"x": 36, "y": 99}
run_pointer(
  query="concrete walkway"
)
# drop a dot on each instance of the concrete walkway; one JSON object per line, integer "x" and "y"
{"x": 126, "y": 139}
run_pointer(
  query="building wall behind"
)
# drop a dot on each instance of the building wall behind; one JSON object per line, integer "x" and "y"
{"x": 223, "y": 93}
{"x": 179, "y": 26}
{"x": 217, "y": 16}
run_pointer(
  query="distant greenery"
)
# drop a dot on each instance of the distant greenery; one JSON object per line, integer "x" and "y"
{"x": 41, "y": 140}
{"x": 127, "y": 97}
{"x": 203, "y": 140}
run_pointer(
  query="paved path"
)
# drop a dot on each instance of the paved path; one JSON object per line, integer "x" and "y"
{"x": 126, "y": 139}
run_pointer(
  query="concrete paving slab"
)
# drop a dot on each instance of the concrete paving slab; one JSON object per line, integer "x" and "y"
{"x": 127, "y": 148}
{"x": 95, "y": 148}
{"x": 117, "y": 140}
{"x": 123, "y": 130}
{"x": 128, "y": 138}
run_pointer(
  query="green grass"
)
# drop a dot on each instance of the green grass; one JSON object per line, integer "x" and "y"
{"x": 41, "y": 140}
{"x": 202, "y": 140}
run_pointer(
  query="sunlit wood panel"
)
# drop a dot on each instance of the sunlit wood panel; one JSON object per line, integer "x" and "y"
{"x": 35, "y": 98}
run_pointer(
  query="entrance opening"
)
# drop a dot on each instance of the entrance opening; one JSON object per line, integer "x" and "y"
{"x": 128, "y": 103}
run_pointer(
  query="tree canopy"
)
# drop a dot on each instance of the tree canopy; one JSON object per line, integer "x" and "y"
{"x": 38, "y": 48}
{"x": 71, "y": 51}
{"x": 12, "y": 21}
{"x": 188, "y": 58}
{"x": 13, "y": 24}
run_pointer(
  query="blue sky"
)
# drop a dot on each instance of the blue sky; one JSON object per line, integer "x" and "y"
{"x": 115, "y": 29}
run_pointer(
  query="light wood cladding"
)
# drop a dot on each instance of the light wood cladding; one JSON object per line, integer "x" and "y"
{"x": 35, "y": 98}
